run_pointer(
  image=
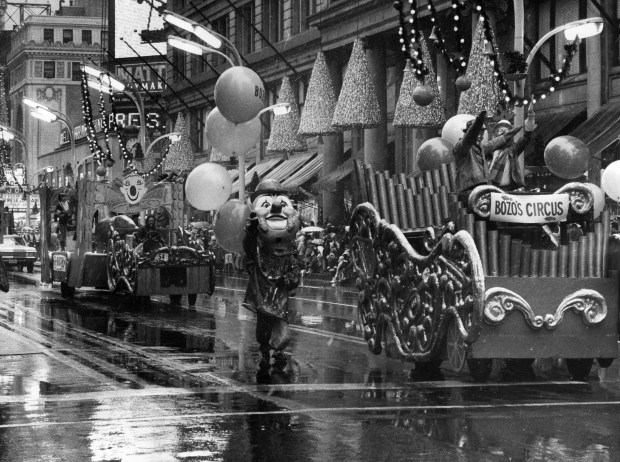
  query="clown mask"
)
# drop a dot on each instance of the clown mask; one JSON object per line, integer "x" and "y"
{"x": 133, "y": 188}
{"x": 278, "y": 221}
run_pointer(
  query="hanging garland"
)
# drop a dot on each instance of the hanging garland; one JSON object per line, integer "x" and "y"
{"x": 87, "y": 112}
{"x": 409, "y": 38}
{"x": 458, "y": 59}
{"x": 554, "y": 78}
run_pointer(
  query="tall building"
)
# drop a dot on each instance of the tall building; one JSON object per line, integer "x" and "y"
{"x": 44, "y": 65}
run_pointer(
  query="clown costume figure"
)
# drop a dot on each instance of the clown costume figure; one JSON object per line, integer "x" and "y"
{"x": 271, "y": 262}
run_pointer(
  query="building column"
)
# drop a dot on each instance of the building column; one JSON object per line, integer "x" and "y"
{"x": 375, "y": 139}
{"x": 332, "y": 149}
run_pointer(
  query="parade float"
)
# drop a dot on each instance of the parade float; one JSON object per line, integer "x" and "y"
{"x": 105, "y": 256}
{"x": 464, "y": 271}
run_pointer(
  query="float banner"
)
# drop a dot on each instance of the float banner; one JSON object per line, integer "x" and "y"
{"x": 545, "y": 208}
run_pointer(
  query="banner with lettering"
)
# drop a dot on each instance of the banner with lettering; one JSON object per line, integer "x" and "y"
{"x": 541, "y": 208}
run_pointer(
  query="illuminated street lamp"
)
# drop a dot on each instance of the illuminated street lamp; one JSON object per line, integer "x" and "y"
{"x": 48, "y": 115}
{"x": 195, "y": 48}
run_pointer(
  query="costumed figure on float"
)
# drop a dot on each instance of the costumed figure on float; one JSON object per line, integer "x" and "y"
{"x": 272, "y": 265}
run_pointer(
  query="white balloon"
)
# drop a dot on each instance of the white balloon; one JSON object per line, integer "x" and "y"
{"x": 610, "y": 180}
{"x": 208, "y": 186}
{"x": 230, "y": 138}
{"x": 452, "y": 130}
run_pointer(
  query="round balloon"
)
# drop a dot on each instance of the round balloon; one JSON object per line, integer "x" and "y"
{"x": 610, "y": 180}
{"x": 230, "y": 222}
{"x": 452, "y": 130}
{"x": 567, "y": 157}
{"x": 239, "y": 94}
{"x": 433, "y": 153}
{"x": 230, "y": 138}
{"x": 208, "y": 186}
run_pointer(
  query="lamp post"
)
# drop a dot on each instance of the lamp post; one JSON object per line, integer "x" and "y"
{"x": 46, "y": 114}
{"x": 195, "y": 48}
{"x": 174, "y": 137}
{"x": 107, "y": 80}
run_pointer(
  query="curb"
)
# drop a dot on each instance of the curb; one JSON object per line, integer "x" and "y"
{"x": 26, "y": 278}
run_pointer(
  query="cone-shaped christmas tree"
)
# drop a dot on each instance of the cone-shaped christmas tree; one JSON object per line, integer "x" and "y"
{"x": 408, "y": 113}
{"x": 357, "y": 105}
{"x": 316, "y": 118}
{"x": 217, "y": 156}
{"x": 284, "y": 137}
{"x": 483, "y": 94}
{"x": 181, "y": 156}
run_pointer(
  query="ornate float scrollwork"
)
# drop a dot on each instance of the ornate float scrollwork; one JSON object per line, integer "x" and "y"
{"x": 411, "y": 297}
{"x": 121, "y": 264}
{"x": 479, "y": 200}
{"x": 581, "y": 198}
{"x": 499, "y": 301}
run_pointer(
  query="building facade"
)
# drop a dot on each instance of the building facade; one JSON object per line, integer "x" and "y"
{"x": 281, "y": 38}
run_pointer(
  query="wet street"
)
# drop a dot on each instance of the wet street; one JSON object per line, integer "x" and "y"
{"x": 96, "y": 378}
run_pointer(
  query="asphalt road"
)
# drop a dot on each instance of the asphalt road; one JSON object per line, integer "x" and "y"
{"x": 97, "y": 378}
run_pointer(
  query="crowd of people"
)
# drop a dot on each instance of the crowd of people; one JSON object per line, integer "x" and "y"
{"x": 325, "y": 252}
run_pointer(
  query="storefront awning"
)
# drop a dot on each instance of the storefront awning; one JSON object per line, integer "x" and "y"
{"x": 311, "y": 168}
{"x": 329, "y": 181}
{"x": 601, "y": 129}
{"x": 289, "y": 167}
{"x": 553, "y": 124}
{"x": 260, "y": 169}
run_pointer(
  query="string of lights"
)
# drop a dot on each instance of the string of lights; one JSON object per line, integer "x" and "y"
{"x": 554, "y": 78}
{"x": 409, "y": 31}
{"x": 87, "y": 113}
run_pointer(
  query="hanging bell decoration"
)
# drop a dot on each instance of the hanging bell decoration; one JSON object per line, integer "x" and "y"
{"x": 433, "y": 35}
{"x": 423, "y": 95}
{"x": 488, "y": 49}
{"x": 463, "y": 83}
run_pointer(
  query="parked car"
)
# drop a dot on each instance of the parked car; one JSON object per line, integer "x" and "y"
{"x": 15, "y": 252}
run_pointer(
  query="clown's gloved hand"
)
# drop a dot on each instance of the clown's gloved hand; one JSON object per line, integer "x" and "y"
{"x": 251, "y": 226}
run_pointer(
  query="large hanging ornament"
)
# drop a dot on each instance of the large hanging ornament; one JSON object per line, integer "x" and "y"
{"x": 484, "y": 93}
{"x": 181, "y": 155}
{"x": 230, "y": 221}
{"x": 409, "y": 113}
{"x": 284, "y": 137}
{"x": 433, "y": 153}
{"x": 208, "y": 186}
{"x": 358, "y": 105}
{"x": 316, "y": 118}
{"x": 239, "y": 94}
{"x": 230, "y": 138}
{"x": 423, "y": 95}
{"x": 463, "y": 83}
{"x": 567, "y": 157}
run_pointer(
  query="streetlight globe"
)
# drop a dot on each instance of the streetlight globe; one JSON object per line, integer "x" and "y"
{"x": 583, "y": 31}
{"x": 49, "y": 169}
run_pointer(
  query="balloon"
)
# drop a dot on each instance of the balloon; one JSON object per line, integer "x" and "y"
{"x": 610, "y": 181}
{"x": 230, "y": 221}
{"x": 208, "y": 186}
{"x": 567, "y": 157}
{"x": 433, "y": 153}
{"x": 230, "y": 138}
{"x": 239, "y": 94}
{"x": 599, "y": 199}
{"x": 423, "y": 95}
{"x": 101, "y": 170}
{"x": 452, "y": 130}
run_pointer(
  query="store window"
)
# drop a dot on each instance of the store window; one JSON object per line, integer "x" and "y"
{"x": 67, "y": 35}
{"x": 300, "y": 15}
{"x": 272, "y": 20}
{"x": 87, "y": 37}
{"x": 48, "y": 35}
{"x": 49, "y": 69}
{"x": 220, "y": 25}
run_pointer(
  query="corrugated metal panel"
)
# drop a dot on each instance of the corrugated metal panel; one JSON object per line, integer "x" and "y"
{"x": 289, "y": 167}
{"x": 260, "y": 169}
{"x": 328, "y": 182}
